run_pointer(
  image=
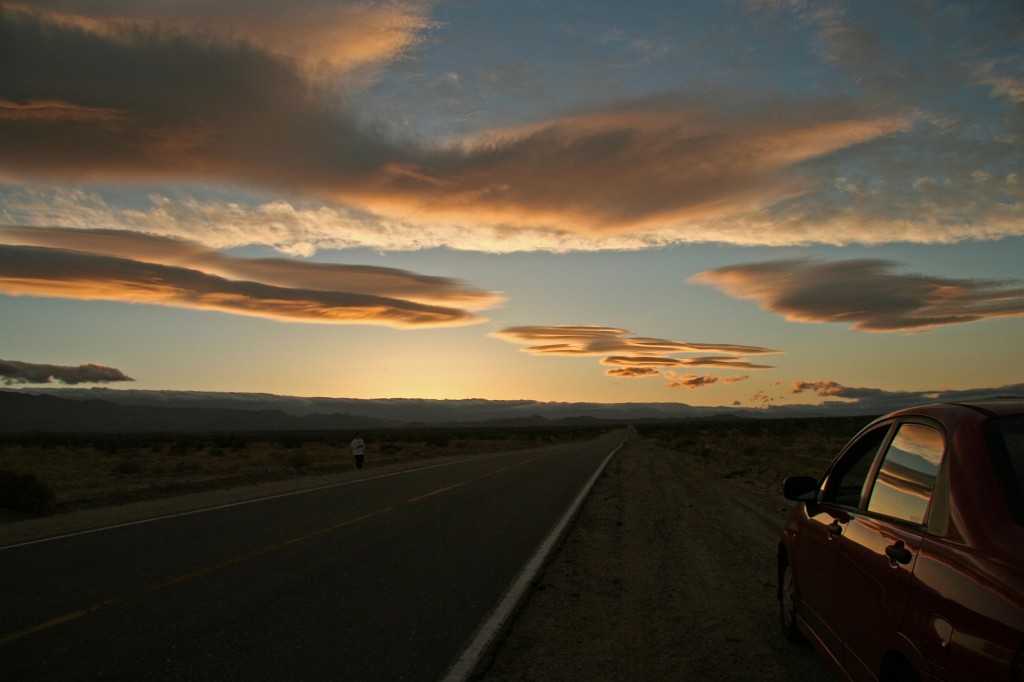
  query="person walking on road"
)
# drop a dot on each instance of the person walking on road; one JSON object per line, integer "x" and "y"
{"x": 358, "y": 451}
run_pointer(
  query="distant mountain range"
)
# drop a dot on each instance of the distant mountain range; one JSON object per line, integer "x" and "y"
{"x": 24, "y": 412}
{"x": 133, "y": 411}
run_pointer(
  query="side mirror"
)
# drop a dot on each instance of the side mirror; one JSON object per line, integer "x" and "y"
{"x": 800, "y": 488}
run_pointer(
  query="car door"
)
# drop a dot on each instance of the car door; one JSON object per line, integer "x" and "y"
{"x": 880, "y": 543}
{"x": 818, "y": 562}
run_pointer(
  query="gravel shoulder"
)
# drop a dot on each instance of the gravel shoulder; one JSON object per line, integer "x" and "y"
{"x": 667, "y": 574}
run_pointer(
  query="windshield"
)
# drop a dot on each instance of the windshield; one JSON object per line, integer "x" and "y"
{"x": 1006, "y": 442}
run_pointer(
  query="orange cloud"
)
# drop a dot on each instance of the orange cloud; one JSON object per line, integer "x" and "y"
{"x": 278, "y": 108}
{"x": 631, "y": 372}
{"x": 55, "y": 112}
{"x": 653, "y": 361}
{"x": 118, "y": 266}
{"x": 652, "y": 164}
{"x": 831, "y": 389}
{"x": 724, "y": 363}
{"x": 637, "y": 167}
{"x": 866, "y": 293}
{"x": 283, "y": 272}
{"x": 819, "y": 387}
{"x": 593, "y": 340}
{"x": 647, "y": 354}
{"x": 879, "y": 401}
{"x": 15, "y": 372}
{"x": 641, "y": 361}
{"x": 697, "y": 381}
{"x": 303, "y": 227}
{"x": 319, "y": 34}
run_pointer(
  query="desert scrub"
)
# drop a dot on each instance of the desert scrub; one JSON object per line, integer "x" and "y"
{"x": 24, "y": 492}
{"x": 299, "y": 460}
{"x": 127, "y": 467}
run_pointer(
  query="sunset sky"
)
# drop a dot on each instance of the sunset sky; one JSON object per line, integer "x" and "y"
{"x": 742, "y": 202}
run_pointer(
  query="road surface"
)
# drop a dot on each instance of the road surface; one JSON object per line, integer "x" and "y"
{"x": 381, "y": 578}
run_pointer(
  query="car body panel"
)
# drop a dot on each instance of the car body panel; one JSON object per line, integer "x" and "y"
{"x": 817, "y": 572}
{"x": 877, "y": 590}
{"x": 940, "y": 590}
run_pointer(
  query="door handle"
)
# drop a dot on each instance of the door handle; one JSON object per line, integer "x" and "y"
{"x": 898, "y": 553}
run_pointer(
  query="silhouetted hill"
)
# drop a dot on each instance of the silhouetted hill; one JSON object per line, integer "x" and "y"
{"x": 23, "y": 412}
{"x": 423, "y": 410}
{"x": 68, "y": 409}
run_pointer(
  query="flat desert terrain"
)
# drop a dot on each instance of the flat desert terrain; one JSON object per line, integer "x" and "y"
{"x": 666, "y": 574}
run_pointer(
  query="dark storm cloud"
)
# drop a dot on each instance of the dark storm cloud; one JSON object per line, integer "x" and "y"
{"x": 866, "y": 293}
{"x": 15, "y": 372}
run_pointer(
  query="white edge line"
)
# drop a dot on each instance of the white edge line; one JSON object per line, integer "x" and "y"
{"x": 469, "y": 659}
{"x": 239, "y": 503}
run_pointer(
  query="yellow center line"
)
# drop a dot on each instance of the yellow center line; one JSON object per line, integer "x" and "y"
{"x": 52, "y": 623}
{"x": 413, "y": 500}
{"x": 436, "y": 492}
{"x": 74, "y": 615}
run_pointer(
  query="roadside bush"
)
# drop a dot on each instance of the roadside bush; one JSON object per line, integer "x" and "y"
{"x": 299, "y": 460}
{"x": 24, "y": 492}
{"x": 291, "y": 441}
{"x": 127, "y": 467}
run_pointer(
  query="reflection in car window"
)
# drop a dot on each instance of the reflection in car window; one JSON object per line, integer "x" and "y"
{"x": 905, "y": 481}
{"x": 846, "y": 481}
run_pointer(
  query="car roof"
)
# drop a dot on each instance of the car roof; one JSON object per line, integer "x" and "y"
{"x": 995, "y": 407}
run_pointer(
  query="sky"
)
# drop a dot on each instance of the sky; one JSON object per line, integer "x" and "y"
{"x": 737, "y": 202}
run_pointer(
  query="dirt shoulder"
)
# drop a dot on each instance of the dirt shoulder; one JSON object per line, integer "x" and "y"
{"x": 667, "y": 574}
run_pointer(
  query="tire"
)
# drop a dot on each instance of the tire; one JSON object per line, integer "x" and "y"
{"x": 789, "y": 605}
{"x": 899, "y": 670}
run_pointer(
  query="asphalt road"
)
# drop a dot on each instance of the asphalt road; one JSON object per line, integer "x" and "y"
{"x": 381, "y": 578}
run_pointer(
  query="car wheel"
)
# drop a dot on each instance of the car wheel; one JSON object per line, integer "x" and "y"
{"x": 897, "y": 669}
{"x": 788, "y": 605}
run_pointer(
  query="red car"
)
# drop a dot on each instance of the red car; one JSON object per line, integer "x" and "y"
{"x": 905, "y": 561}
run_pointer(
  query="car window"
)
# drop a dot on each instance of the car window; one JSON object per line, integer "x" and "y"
{"x": 846, "y": 480}
{"x": 903, "y": 487}
{"x": 1006, "y": 443}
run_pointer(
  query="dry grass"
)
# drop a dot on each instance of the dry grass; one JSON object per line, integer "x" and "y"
{"x": 85, "y": 475}
{"x": 767, "y": 450}
{"x": 95, "y": 471}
